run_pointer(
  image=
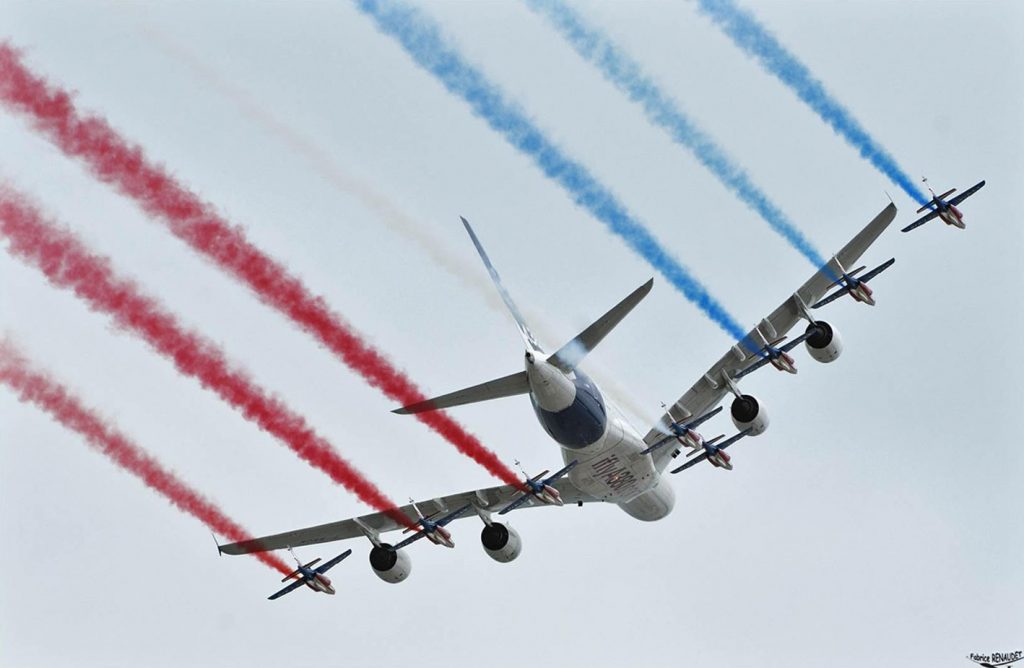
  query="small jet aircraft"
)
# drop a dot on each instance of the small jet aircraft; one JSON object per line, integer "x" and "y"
{"x": 684, "y": 432}
{"x": 714, "y": 453}
{"x": 945, "y": 210}
{"x": 432, "y": 529}
{"x": 606, "y": 458}
{"x": 855, "y": 287}
{"x": 313, "y": 578}
{"x": 777, "y": 357}
{"x": 540, "y": 489}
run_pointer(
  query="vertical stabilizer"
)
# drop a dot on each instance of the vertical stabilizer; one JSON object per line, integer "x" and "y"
{"x": 524, "y": 329}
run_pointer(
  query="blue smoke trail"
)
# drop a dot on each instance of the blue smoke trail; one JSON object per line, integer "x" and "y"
{"x": 752, "y": 37}
{"x": 423, "y": 41}
{"x": 597, "y": 48}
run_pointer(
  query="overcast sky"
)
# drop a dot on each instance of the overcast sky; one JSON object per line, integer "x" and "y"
{"x": 877, "y": 521}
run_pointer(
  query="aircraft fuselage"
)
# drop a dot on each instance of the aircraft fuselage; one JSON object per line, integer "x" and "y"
{"x": 596, "y": 434}
{"x": 721, "y": 460}
{"x": 862, "y": 293}
{"x": 320, "y": 583}
{"x": 440, "y": 536}
{"x": 784, "y": 362}
{"x": 951, "y": 215}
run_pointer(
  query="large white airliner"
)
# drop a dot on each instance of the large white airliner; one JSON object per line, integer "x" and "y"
{"x": 607, "y": 459}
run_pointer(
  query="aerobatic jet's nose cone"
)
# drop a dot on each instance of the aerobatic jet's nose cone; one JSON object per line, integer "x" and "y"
{"x": 529, "y": 357}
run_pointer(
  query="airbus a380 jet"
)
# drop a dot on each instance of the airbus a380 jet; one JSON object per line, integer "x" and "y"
{"x": 607, "y": 459}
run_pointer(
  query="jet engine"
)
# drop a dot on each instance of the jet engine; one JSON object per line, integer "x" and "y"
{"x": 390, "y": 565}
{"x": 823, "y": 342}
{"x": 747, "y": 413}
{"x": 501, "y": 542}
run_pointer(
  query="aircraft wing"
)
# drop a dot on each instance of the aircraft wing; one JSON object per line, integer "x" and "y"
{"x": 921, "y": 221}
{"x": 710, "y": 388}
{"x": 491, "y": 499}
{"x": 333, "y": 562}
{"x": 967, "y": 193}
{"x": 287, "y": 590}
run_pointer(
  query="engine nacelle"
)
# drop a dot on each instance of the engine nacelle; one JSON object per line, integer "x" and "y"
{"x": 390, "y": 565}
{"x": 747, "y": 413}
{"x": 824, "y": 343}
{"x": 501, "y": 542}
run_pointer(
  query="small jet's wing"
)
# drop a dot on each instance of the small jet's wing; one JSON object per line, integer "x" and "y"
{"x": 921, "y": 221}
{"x": 454, "y": 515}
{"x": 523, "y": 498}
{"x": 794, "y": 343}
{"x": 831, "y": 298}
{"x": 290, "y": 588}
{"x": 967, "y": 193}
{"x": 693, "y": 462}
{"x": 490, "y": 499}
{"x": 333, "y": 562}
{"x": 410, "y": 540}
{"x": 710, "y": 388}
{"x": 561, "y": 472}
{"x": 877, "y": 270}
{"x": 752, "y": 368}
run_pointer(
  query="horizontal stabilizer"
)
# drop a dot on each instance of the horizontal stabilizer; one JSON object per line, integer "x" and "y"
{"x": 572, "y": 353}
{"x": 508, "y": 386}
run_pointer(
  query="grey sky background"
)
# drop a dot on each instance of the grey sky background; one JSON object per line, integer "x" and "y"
{"x": 878, "y": 520}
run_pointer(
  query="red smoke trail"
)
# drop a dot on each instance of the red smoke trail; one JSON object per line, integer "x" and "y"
{"x": 36, "y": 387}
{"x": 69, "y": 264}
{"x": 114, "y": 160}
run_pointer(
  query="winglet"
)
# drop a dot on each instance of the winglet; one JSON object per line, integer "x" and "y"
{"x": 220, "y": 551}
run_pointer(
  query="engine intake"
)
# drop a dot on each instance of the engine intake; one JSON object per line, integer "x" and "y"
{"x": 823, "y": 343}
{"x": 392, "y": 566}
{"x": 501, "y": 542}
{"x": 747, "y": 413}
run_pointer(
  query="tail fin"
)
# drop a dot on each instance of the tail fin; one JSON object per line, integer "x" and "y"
{"x": 566, "y": 359}
{"x": 524, "y": 329}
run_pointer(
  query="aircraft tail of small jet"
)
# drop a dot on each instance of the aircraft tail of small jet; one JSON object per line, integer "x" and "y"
{"x": 566, "y": 358}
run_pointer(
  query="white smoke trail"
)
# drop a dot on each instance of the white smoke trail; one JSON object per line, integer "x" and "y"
{"x": 382, "y": 206}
